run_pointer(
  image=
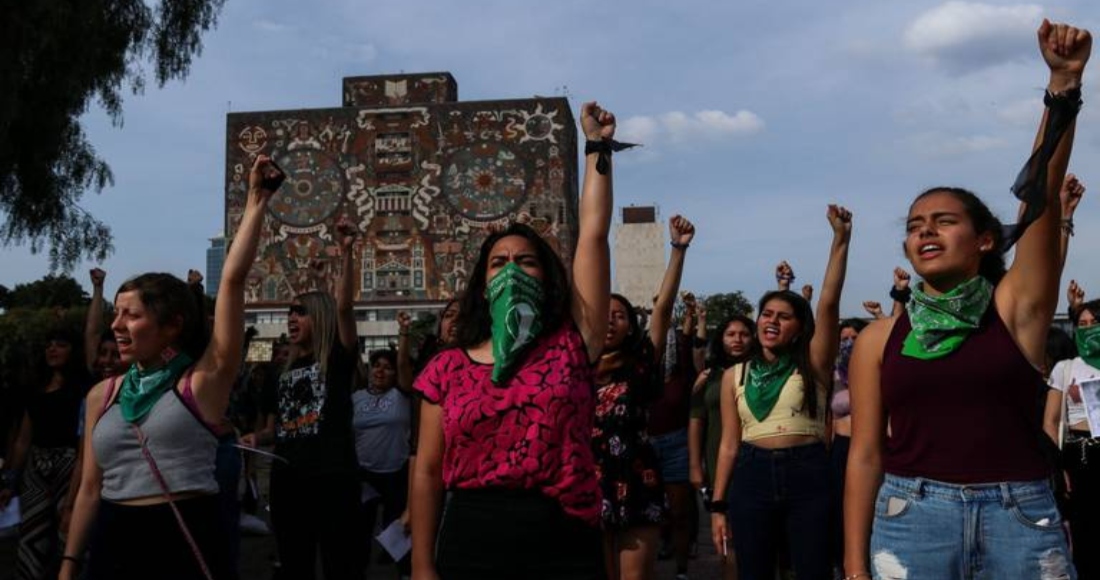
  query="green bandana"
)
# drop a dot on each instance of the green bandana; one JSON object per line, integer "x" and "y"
{"x": 765, "y": 382}
{"x": 942, "y": 323}
{"x": 515, "y": 301}
{"x": 142, "y": 389}
{"x": 1088, "y": 344}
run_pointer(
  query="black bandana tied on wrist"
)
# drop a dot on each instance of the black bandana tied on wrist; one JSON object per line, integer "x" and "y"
{"x": 605, "y": 147}
{"x": 1031, "y": 183}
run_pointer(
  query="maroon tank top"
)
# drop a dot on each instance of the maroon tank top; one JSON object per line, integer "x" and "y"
{"x": 973, "y": 416}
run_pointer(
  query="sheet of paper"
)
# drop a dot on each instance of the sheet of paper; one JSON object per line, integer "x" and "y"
{"x": 1090, "y": 396}
{"x": 10, "y": 515}
{"x": 395, "y": 540}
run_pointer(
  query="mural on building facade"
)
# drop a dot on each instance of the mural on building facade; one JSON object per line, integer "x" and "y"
{"x": 425, "y": 183}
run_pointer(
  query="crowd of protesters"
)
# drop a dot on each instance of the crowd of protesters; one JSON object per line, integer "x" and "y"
{"x": 551, "y": 429}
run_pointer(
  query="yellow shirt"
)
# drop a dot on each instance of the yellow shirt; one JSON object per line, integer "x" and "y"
{"x": 788, "y": 417}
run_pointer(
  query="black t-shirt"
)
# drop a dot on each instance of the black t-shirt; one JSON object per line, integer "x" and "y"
{"x": 55, "y": 415}
{"x": 313, "y": 428}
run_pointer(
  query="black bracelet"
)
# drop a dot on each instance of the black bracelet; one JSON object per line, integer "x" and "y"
{"x": 72, "y": 559}
{"x": 718, "y": 506}
{"x": 1070, "y": 99}
{"x": 680, "y": 246}
{"x": 902, "y": 296}
{"x": 604, "y": 147}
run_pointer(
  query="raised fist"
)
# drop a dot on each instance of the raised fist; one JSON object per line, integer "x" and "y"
{"x": 1072, "y": 191}
{"x": 873, "y": 308}
{"x": 404, "y": 321}
{"x": 784, "y": 275}
{"x": 808, "y": 292}
{"x": 840, "y": 219}
{"x": 194, "y": 277}
{"x": 680, "y": 230}
{"x": 901, "y": 279}
{"x": 1075, "y": 294}
{"x": 1065, "y": 49}
{"x": 264, "y": 177}
{"x": 347, "y": 231}
{"x": 597, "y": 124}
{"x": 98, "y": 276}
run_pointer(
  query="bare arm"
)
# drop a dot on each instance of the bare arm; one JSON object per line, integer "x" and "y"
{"x": 1028, "y": 295}
{"x": 86, "y": 505}
{"x": 681, "y": 231}
{"x": 1052, "y": 414}
{"x": 864, "y": 472}
{"x": 727, "y": 452}
{"x": 901, "y": 284}
{"x": 1070, "y": 195}
{"x": 427, "y": 490}
{"x": 217, "y": 370}
{"x": 699, "y": 353}
{"x": 697, "y": 426}
{"x": 345, "y": 302}
{"x": 826, "y": 340}
{"x": 592, "y": 259}
{"x": 93, "y": 322}
{"x": 405, "y": 372}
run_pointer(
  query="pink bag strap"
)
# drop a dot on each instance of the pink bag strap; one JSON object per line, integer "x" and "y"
{"x": 107, "y": 396}
{"x": 168, "y": 496}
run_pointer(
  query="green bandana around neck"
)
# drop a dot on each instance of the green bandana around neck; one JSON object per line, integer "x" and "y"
{"x": 515, "y": 306}
{"x": 141, "y": 389}
{"x": 765, "y": 382}
{"x": 942, "y": 323}
{"x": 1088, "y": 344}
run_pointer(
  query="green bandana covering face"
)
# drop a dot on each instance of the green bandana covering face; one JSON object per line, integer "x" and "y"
{"x": 1088, "y": 344}
{"x": 515, "y": 303}
{"x": 765, "y": 382}
{"x": 141, "y": 389}
{"x": 942, "y": 323}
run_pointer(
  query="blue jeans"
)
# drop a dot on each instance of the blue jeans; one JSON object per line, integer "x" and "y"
{"x": 929, "y": 529}
{"x": 672, "y": 453}
{"x": 781, "y": 496}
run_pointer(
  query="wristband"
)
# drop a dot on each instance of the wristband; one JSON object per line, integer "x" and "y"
{"x": 72, "y": 559}
{"x": 680, "y": 246}
{"x": 718, "y": 506}
{"x": 698, "y": 341}
{"x": 604, "y": 147}
{"x": 857, "y": 575}
{"x": 902, "y": 296}
{"x": 1067, "y": 227}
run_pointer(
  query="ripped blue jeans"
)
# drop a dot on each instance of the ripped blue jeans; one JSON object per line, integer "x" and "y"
{"x": 998, "y": 531}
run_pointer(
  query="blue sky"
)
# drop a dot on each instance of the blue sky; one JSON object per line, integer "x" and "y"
{"x": 755, "y": 115}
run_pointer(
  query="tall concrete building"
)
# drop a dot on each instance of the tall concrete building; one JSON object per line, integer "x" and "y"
{"x": 423, "y": 176}
{"x": 639, "y": 250}
{"x": 215, "y": 259}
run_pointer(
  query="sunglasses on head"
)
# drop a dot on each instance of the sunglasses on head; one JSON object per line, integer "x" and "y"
{"x": 297, "y": 310}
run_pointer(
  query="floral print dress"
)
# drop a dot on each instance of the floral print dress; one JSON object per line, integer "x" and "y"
{"x": 627, "y": 466}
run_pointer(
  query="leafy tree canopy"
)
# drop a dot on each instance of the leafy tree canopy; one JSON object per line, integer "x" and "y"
{"x": 57, "y": 57}
{"x": 722, "y": 306}
{"x": 47, "y": 292}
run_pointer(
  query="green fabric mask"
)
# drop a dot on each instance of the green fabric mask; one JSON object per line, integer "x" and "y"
{"x": 942, "y": 323}
{"x": 141, "y": 389}
{"x": 515, "y": 304}
{"x": 765, "y": 383}
{"x": 1088, "y": 344}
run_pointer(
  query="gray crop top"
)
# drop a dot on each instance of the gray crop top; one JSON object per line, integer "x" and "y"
{"x": 182, "y": 446}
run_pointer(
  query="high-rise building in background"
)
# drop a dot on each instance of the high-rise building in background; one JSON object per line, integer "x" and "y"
{"x": 423, "y": 176}
{"x": 639, "y": 255}
{"x": 215, "y": 259}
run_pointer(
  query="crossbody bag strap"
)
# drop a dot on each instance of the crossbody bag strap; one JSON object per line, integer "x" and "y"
{"x": 172, "y": 504}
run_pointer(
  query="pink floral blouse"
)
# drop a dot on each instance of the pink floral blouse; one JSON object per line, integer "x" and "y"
{"x": 534, "y": 432}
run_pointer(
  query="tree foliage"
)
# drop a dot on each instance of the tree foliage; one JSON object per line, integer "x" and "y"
{"x": 720, "y": 307}
{"x": 57, "y": 57}
{"x": 48, "y": 292}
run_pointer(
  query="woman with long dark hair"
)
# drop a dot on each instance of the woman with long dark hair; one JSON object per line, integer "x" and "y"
{"x": 506, "y": 425}
{"x": 947, "y": 476}
{"x": 148, "y": 482}
{"x": 772, "y": 462}
{"x": 629, "y": 379}
{"x": 43, "y": 453}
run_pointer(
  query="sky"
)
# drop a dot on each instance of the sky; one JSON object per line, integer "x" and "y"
{"x": 754, "y": 114}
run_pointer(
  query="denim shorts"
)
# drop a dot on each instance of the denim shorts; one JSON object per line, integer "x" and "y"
{"x": 672, "y": 453}
{"x": 929, "y": 529}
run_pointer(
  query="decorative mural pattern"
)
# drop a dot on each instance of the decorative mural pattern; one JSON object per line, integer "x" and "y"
{"x": 392, "y": 90}
{"x": 424, "y": 182}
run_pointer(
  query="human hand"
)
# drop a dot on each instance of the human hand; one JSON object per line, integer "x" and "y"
{"x": 598, "y": 124}
{"x": 719, "y": 533}
{"x": 265, "y": 177}
{"x": 250, "y": 440}
{"x": 680, "y": 230}
{"x": 98, "y": 276}
{"x": 808, "y": 292}
{"x": 1075, "y": 294}
{"x": 348, "y": 232}
{"x": 1072, "y": 191}
{"x": 404, "y": 321}
{"x": 1065, "y": 48}
{"x": 901, "y": 279}
{"x": 873, "y": 308}
{"x": 194, "y": 277}
{"x": 840, "y": 219}
{"x": 784, "y": 275}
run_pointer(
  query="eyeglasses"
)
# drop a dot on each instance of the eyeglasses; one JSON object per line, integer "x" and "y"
{"x": 297, "y": 310}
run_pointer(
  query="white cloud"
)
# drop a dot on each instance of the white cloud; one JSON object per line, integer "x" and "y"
{"x": 678, "y": 127}
{"x": 967, "y": 36}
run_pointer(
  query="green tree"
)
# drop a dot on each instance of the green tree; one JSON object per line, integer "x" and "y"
{"x": 48, "y": 292}
{"x": 58, "y": 57}
{"x": 722, "y": 306}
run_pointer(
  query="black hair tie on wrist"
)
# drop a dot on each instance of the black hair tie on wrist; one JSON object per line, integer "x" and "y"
{"x": 605, "y": 147}
{"x": 902, "y": 296}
